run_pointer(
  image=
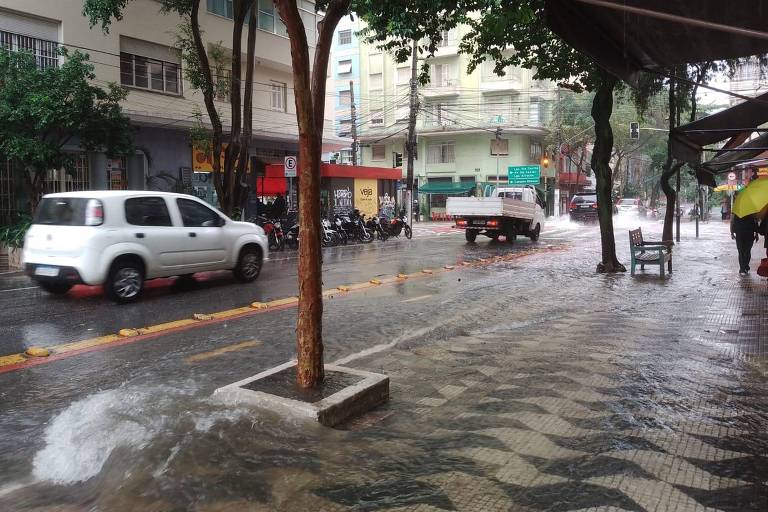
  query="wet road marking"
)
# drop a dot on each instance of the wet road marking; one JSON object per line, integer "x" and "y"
{"x": 12, "y": 362}
{"x": 19, "y": 289}
{"x": 202, "y": 356}
{"x": 414, "y": 299}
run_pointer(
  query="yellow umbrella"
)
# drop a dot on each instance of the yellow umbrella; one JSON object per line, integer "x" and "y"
{"x": 753, "y": 198}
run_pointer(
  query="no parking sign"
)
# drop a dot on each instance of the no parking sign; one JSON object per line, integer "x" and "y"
{"x": 289, "y": 166}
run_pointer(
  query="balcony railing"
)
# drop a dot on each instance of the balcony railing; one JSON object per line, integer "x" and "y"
{"x": 46, "y": 52}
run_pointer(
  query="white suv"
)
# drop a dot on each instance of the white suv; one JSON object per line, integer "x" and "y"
{"x": 120, "y": 238}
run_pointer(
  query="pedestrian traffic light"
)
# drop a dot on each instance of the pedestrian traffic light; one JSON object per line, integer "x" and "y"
{"x": 397, "y": 159}
{"x": 634, "y": 130}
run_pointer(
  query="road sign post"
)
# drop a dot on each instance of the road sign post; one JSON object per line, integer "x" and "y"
{"x": 289, "y": 170}
{"x": 524, "y": 174}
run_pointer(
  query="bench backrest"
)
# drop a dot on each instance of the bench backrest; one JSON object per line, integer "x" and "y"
{"x": 635, "y": 237}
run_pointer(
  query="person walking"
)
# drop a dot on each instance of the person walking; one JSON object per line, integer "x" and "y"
{"x": 744, "y": 231}
{"x": 278, "y": 206}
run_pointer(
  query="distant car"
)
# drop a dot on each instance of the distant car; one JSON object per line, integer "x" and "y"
{"x": 119, "y": 239}
{"x": 629, "y": 205}
{"x": 583, "y": 207}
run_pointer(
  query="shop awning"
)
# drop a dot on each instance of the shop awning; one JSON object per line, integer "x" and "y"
{"x": 753, "y": 150}
{"x": 271, "y": 186}
{"x": 628, "y": 36}
{"x": 449, "y": 189}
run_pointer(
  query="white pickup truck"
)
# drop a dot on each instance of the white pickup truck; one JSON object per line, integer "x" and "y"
{"x": 508, "y": 212}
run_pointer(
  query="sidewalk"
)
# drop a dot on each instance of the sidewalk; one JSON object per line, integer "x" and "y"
{"x": 658, "y": 402}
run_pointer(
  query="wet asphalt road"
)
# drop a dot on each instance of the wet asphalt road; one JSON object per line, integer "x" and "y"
{"x": 31, "y": 317}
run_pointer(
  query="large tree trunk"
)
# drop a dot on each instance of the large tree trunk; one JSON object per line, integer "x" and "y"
{"x": 669, "y": 169}
{"x": 602, "y": 106}
{"x": 245, "y": 137}
{"x": 309, "y": 91}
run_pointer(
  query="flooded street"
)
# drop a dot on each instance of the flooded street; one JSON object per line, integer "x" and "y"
{"x": 522, "y": 382}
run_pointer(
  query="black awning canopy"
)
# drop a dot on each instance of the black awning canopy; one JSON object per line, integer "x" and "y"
{"x": 734, "y": 124}
{"x": 744, "y": 153}
{"x": 629, "y": 36}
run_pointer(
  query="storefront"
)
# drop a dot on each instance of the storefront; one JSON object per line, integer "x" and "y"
{"x": 344, "y": 188}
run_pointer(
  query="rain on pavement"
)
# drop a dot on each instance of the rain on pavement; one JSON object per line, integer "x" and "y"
{"x": 134, "y": 427}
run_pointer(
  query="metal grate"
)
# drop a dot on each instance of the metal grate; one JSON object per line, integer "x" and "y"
{"x": 45, "y": 52}
{"x": 7, "y": 194}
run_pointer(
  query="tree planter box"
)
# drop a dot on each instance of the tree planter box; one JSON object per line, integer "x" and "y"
{"x": 346, "y": 393}
{"x": 14, "y": 256}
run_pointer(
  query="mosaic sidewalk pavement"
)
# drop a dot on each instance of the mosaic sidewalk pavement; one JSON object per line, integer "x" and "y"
{"x": 654, "y": 409}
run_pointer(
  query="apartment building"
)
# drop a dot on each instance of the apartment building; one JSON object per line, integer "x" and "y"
{"x": 470, "y": 128}
{"x": 138, "y": 53}
{"x": 344, "y": 83}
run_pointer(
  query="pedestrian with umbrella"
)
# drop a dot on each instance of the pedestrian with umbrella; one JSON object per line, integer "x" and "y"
{"x": 752, "y": 202}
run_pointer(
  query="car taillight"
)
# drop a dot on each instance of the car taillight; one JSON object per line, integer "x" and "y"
{"x": 492, "y": 223}
{"x": 594, "y": 205}
{"x": 94, "y": 213}
{"x": 461, "y": 222}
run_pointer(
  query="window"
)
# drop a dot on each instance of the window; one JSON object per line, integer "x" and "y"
{"x": 536, "y": 151}
{"x": 438, "y": 114}
{"x": 345, "y": 98}
{"x": 62, "y": 211}
{"x": 441, "y": 75}
{"x": 345, "y": 66}
{"x": 345, "y": 127}
{"x": 279, "y": 93}
{"x": 403, "y": 75}
{"x": 267, "y": 15}
{"x": 375, "y": 82}
{"x": 345, "y": 37}
{"x": 534, "y": 113}
{"x": 147, "y": 211}
{"x": 441, "y": 153}
{"x": 45, "y": 52}
{"x": 145, "y": 73}
{"x": 499, "y": 147}
{"x": 377, "y": 118}
{"x": 220, "y": 7}
{"x": 378, "y": 152}
{"x": 489, "y": 72}
{"x": 195, "y": 215}
{"x": 446, "y": 39}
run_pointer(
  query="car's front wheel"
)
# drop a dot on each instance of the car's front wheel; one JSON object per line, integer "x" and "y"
{"x": 55, "y": 288}
{"x": 249, "y": 264}
{"x": 125, "y": 281}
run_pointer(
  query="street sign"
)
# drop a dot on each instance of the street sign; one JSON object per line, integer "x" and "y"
{"x": 732, "y": 176}
{"x": 289, "y": 166}
{"x": 634, "y": 130}
{"x": 524, "y": 174}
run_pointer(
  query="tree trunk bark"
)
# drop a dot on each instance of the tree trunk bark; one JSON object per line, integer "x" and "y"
{"x": 669, "y": 169}
{"x": 309, "y": 91}
{"x": 602, "y": 106}
{"x": 245, "y": 137}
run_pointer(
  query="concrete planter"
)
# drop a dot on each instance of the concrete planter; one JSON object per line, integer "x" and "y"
{"x": 362, "y": 392}
{"x": 13, "y": 255}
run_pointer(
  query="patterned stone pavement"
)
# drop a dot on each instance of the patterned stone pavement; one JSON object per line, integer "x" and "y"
{"x": 652, "y": 405}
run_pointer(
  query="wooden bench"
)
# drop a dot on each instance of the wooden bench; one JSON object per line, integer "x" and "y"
{"x": 645, "y": 252}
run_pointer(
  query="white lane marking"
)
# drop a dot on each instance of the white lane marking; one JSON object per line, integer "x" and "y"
{"x": 19, "y": 289}
{"x": 11, "y": 272}
{"x": 414, "y": 299}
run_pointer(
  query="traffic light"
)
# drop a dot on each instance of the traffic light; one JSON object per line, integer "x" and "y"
{"x": 634, "y": 130}
{"x": 545, "y": 160}
{"x": 397, "y": 159}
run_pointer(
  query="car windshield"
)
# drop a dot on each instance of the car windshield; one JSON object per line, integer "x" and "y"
{"x": 584, "y": 199}
{"x": 61, "y": 211}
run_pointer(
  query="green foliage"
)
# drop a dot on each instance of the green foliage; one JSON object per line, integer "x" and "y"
{"x": 199, "y": 135}
{"x": 193, "y": 70}
{"x": 13, "y": 235}
{"x": 41, "y": 110}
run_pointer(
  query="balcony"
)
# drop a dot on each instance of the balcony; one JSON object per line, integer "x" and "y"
{"x": 500, "y": 84}
{"x": 46, "y": 52}
{"x": 442, "y": 88}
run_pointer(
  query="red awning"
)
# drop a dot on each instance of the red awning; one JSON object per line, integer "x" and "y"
{"x": 270, "y": 186}
{"x": 345, "y": 171}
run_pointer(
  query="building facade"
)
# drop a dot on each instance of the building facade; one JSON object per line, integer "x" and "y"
{"x": 344, "y": 83}
{"x": 138, "y": 52}
{"x": 470, "y": 126}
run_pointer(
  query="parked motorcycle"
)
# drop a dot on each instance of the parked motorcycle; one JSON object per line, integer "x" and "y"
{"x": 398, "y": 224}
{"x": 292, "y": 237}
{"x": 274, "y": 231}
{"x": 330, "y": 237}
{"x": 355, "y": 229}
{"x": 375, "y": 226}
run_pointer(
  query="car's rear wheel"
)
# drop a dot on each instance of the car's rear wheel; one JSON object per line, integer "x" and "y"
{"x": 534, "y": 235}
{"x": 55, "y": 288}
{"x": 470, "y": 235}
{"x": 125, "y": 281}
{"x": 249, "y": 264}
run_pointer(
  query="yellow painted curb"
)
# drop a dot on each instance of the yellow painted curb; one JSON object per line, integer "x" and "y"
{"x": 88, "y": 343}
{"x": 231, "y": 312}
{"x": 343, "y": 288}
{"x": 11, "y": 359}
{"x": 402, "y": 276}
{"x": 126, "y": 333}
{"x": 283, "y": 302}
{"x": 201, "y": 317}
{"x": 166, "y": 326}
{"x": 448, "y": 267}
{"x": 259, "y": 305}
{"x": 375, "y": 281}
{"x": 427, "y": 271}
{"x": 37, "y": 352}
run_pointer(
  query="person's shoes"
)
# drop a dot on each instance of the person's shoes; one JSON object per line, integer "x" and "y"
{"x": 742, "y": 272}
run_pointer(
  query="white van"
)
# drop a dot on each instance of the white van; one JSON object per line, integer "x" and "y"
{"x": 121, "y": 238}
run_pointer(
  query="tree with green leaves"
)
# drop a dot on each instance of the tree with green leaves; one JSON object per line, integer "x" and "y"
{"x": 45, "y": 110}
{"x": 204, "y": 70}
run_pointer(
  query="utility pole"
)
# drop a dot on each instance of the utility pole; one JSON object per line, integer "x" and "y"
{"x": 353, "y": 121}
{"x": 498, "y": 138}
{"x": 411, "y": 142}
{"x": 677, "y": 209}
